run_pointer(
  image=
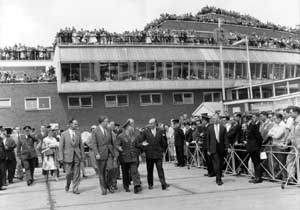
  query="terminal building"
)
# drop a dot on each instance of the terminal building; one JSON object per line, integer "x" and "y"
{"x": 141, "y": 81}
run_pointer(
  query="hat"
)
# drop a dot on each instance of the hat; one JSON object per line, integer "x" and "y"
{"x": 175, "y": 121}
{"x": 93, "y": 127}
{"x": 27, "y": 126}
{"x": 126, "y": 123}
{"x": 205, "y": 117}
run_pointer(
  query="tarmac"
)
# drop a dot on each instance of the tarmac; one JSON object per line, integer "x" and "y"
{"x": 189, "y": 189}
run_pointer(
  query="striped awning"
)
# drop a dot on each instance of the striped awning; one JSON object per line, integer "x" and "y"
{"x": 122, "y": 53}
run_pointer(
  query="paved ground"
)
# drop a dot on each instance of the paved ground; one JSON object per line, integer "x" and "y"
{"x": 189, "y": 190}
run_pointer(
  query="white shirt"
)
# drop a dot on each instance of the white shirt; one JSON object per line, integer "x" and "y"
{"x": 4, "y": 141}
{"x": 153, "y": 131}
{"x": 72, "y": 133}
{"x": 102, "y": 129}
{"x": 277, "y": 132}
{"x": 217, "y": 129}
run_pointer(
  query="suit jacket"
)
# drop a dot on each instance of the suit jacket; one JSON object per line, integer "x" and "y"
{"x": 129, "y": 145}
{"x": 67, "y": 149}
{"x": 157, "y": 144}
{"x": 101, "y": 143}
{"x": 10, "y": 146}
{"x": 2, "y": 151}
{"x": 203, "y": 130}
{"x": 234, "y": 134}
{"x": 26, "y": 147}
{"x": 179, "y": 137}
{"x": 212, "y": 140}
{"x": 253, "y": 138}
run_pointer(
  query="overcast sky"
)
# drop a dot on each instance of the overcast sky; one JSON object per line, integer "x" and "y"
{"x": 35, "y": 22}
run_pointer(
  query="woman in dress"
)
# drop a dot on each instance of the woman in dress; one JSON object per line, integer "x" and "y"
{"x": 49, "y": 150}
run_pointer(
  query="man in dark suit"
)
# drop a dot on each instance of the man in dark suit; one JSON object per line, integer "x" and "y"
{"x": 217, "y": 145}
{"x": 26, "y": 150}
{"x": 153, "y": 143}
{"x": 2, "y": 161}
{"x": 102, "y": 147}
{"x": 203, "y": 134}
{"x": 253, "y": 141}
{"x": 71, "y": 154}
{"x": 179, "y": 140}
{"x": 10, "y": 145}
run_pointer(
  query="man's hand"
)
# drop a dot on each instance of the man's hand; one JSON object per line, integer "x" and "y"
{"x": 98, "y": 157}
{"x": 209, "y": 153}
{"x": 120, "y": 149}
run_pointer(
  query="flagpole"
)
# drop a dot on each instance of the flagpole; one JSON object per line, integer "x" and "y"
{"x": 249, "y": 70}
{"x": 221, "y": 62}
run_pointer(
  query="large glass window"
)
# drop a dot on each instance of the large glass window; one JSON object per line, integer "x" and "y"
{"x": 104, "y": 72}
{"x": 298, "y": 71}
{"x": 241, "y": 71}
{"x": 159, "y": 71}
{"x": 75, "y": 72}
{"x": 212, "y": 96}
{"x": 37, "y": 103}
{"x": 294, "y": 86}
{"x": 197, "y": 70}
{"x": 141, "y": 71}
{"x": 169, "y": 70}
{"x": 212, "y": 70}
{"x": 5, "y": 103}
{"x": 113, "y": 72}
{"x": 278, "y": 71}
{"x": 150, "y": 69}
{"x": 255, "y": 70}
{"x": 267, "y": 91}
{"x": 280, "y": 88}
{"x": 289, "y": 71}
{"x": 177, "y": 71}
{"x": 266, "y": 71}
{"x": 243, "y": 93}
{"x": 185, "y": 70}
{"x": 256, "y": 92}
{"x": 123, "y": 71}
{"x": 229, "y": 70}
{"x": 66, "y": 72}
{"x": 78, "y": 102}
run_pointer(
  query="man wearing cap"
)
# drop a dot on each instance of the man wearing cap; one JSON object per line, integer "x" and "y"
{"x": 127, "y": 144}
{"x": 71, "y": 153}
{"x": 217, "y": 145}
{"x": 153, "y": 143}
{"x": 26, "y": 151}
{"x": 102, "y": 146}
{"x": 2, "y": 161}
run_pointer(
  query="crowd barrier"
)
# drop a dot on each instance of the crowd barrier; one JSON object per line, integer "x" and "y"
{"x": 278, "y": 163}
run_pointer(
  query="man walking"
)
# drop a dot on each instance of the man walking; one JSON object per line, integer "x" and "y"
{"x": 102, "y": 147}
{"x": 217, "y": 145}
{"x": 154, "y": 144}
{"x": 2, "y": 162}
{"x": 179, "y": 139}
{"x": 71, "y": 154}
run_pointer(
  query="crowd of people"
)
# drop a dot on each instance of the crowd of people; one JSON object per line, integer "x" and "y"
{"x": 210, "y": 14}
{"x": 22, "y": 52}
{"x": 21, "y": 77}
{"x": 113, "y": 149}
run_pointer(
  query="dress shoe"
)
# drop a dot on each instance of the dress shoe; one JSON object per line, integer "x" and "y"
{"x": 165, "y": 186}
{"x": 137, "y": 189}
{"x": 76, "y": 192}
{"x": 104, "y": 192}
{"x": 67, "y": 188}
{"x": 256, "y": 181}
{"x": 2, "y": 188}
{"x": 150, "y": 187}
{"x": 111, "y": 190}
{"x": 219, "y": 183}
{"x": 10, "y": 182}
{"x": 29, "y": 182}
{"x": 127, "y": 190}
{"x": 84, "y": 176}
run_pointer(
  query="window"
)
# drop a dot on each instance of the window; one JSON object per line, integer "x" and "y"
{"x": 229, "y": 70}
{"x": 212, "y": 96}
{"x": 5, "y": 103}
{"x": 78, "y": 102}
{"x": 37, "y": 103}
{"x": 147, "y": 99}
{"x": 212, "y": 70}
{"x": 116, "y": 100}
{"x": 183, "y": 98}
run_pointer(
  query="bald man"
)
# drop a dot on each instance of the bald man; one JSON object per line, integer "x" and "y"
{"x": 154, "y": 144}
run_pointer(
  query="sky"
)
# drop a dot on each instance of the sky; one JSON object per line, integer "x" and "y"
{"x": 36, "y": 22}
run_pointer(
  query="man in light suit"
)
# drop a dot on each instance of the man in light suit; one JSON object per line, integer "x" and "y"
{"x": 102, "y": 147}
{"x": 71, "y": 154}
{"x": 217, "y": 145}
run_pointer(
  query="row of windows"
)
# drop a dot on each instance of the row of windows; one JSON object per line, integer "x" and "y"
{"x": 112, "y": 100}
{"x": 88, "y": 72}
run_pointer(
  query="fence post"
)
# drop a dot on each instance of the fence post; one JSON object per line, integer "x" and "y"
{"x": 233, "y": 162}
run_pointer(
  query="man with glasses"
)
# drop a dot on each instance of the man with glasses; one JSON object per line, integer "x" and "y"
{"x": 71, "y": 154}
{"x": 26, "y": 151}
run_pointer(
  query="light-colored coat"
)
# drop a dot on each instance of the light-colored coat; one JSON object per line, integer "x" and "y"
{"x": 67, "y": 149}
{"x": 101, "y": 143}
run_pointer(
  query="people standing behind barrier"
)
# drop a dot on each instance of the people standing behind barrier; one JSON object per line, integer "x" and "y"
{"x": 127, "y": 144}
{"x": 154, "y": 144}
{"x": 253, "y": 141}
{"x": 49, "y": 150}
{"x": 71, "y": 154}
{"x": 278, "y": 133}
{"x": 265, "y": 126}
{"x": 10, "y": 164}
{"x": 102, "y": 146}
{"x": 26, "y": 151}
{"x": 179, "y": 139}
{"x": 192, "y": 137}
{"x": 294, "y": 141}
{"x": 171, "y": 141}
{"x": 217, "y": 145}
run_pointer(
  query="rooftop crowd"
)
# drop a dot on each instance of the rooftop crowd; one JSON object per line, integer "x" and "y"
{"x": 111, "y": 147}
{"x": 22, "y": 52}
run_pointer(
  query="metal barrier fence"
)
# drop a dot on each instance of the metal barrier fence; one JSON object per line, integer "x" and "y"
{"x": 278, "y": 163}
